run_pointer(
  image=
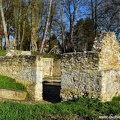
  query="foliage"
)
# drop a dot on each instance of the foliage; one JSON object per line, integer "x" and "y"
{"x": 83, "y": 36}
{"x": 83, "y": 107}
{"x": 45, "y": 55}
{"x": 55, "y": 56}
{"x": 2, "y": 52}
{"x": 26, "y": 20}
{"x": 84, "y": 32}
{"x": 10, "y": 84}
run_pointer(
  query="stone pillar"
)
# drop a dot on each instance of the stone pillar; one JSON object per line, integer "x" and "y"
{"x": 38, "y": 86}
{"x": 48, "y": 67}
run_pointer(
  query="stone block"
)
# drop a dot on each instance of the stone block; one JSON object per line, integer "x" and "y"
{"x": 12, "y": 95}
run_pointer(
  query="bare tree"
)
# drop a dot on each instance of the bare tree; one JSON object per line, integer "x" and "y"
{"x": 62, "y": 26}
{"x": 71, "y": 11}
{"x": 1, "y": 34}
{"x": 34, "y": 35}
{"x": 46, "y": 27}
{"x": 4, "y": 25}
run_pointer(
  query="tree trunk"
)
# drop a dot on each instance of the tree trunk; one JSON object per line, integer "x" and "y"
{"x": 51, "y": 17}
{"x": 4, "y": 25}
{"x": 1, "y": 32}
{"x": 34, "y": 36}
{"x": 94, "y": 11}
{"x": 23, "y": 35}
{"x": 46, "y": 27}
{"x": 62, "y": 27}
{"x": 15, "y": 28}
{"x": 19, "y": 22}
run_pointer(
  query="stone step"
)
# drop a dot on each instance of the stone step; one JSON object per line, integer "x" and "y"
{"x": 12, "y": 95}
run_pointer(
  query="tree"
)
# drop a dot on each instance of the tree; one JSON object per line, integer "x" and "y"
{"x": 4, "y": 25}
{"x": 110, "y": 20}
{"x": 46, "y": 27}
{"x": 84, "y": 34}
{"x": 52, "y": 19}
{"x": 71, "y": 11}
{"x": 88, "y": 33}
{"x": 104, "y": 14}
{"x": 34, "y": 31}
{"x": 1, "y": 35}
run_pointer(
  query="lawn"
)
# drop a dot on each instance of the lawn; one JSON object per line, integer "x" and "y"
{"x": 2, "y": 52}
{"x": 10, "y": 84}
{"x": 80, "y": 108}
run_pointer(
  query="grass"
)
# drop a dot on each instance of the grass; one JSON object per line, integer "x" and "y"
{"x": 46, "y": 55}
{"x": 2, "y": 52}
{"x": 83, "y": 107}
{"x": 10, "y": 84}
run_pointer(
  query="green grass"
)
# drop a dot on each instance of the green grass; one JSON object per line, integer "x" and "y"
{"x": 10, "y": 84}
{"x": 2, "y": 52}
{"x": 84, "y": 107}
{"x": 46, "y": 55}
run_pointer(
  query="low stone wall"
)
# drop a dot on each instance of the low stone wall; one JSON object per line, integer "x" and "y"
{"x": 95, "y": 74}
{"x": 26, "y": 70}
{"x": 30, "y": 71}
{"x": 17, "y": 52}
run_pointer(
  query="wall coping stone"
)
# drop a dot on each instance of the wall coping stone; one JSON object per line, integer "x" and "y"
{"x": 12, "y": 95}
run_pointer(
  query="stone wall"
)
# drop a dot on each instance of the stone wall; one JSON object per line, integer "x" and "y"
{"x": 95, "y": 74}
{"x": 51, "y": 69}
{"x": 29, "y": 70}
{"x": 47, "y": 67}
{"x": 109, "y": 65}
{"x": 80, "y": 76}
{"x": 17, "y": 52}
{"x": 56, "y": 68}
{"x": 26, "y": 70}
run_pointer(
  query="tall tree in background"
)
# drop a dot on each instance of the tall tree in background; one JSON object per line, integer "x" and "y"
{"x": 94, "y": 13}
{"x": 71, "y": 11}
{"x": 1, "y": 35}
{"x": 110, "y": 16}
{"x": 105, "y": 15}
{"x": 46, "y": 27}
{"x": 34, "y": 20}
{"x": 62, "y": 26}
{"x": 4, "y": 25}
{"x": 52, "y": 21}
{"x": 84, "y": 34}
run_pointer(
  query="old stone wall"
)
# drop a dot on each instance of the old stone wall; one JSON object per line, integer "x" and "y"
{"x": 17, "y": 52}
{"x": 57, "y": 68}
{"x": 26, "y": 70}
{"x": 79, "y": 75}
{"x": 95, "y": 74}
{"x": 51, "y": 69}
{"x": 47, "y": 67}
{"x": 29, "y": 70}
{"x": 109, "y": 65}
